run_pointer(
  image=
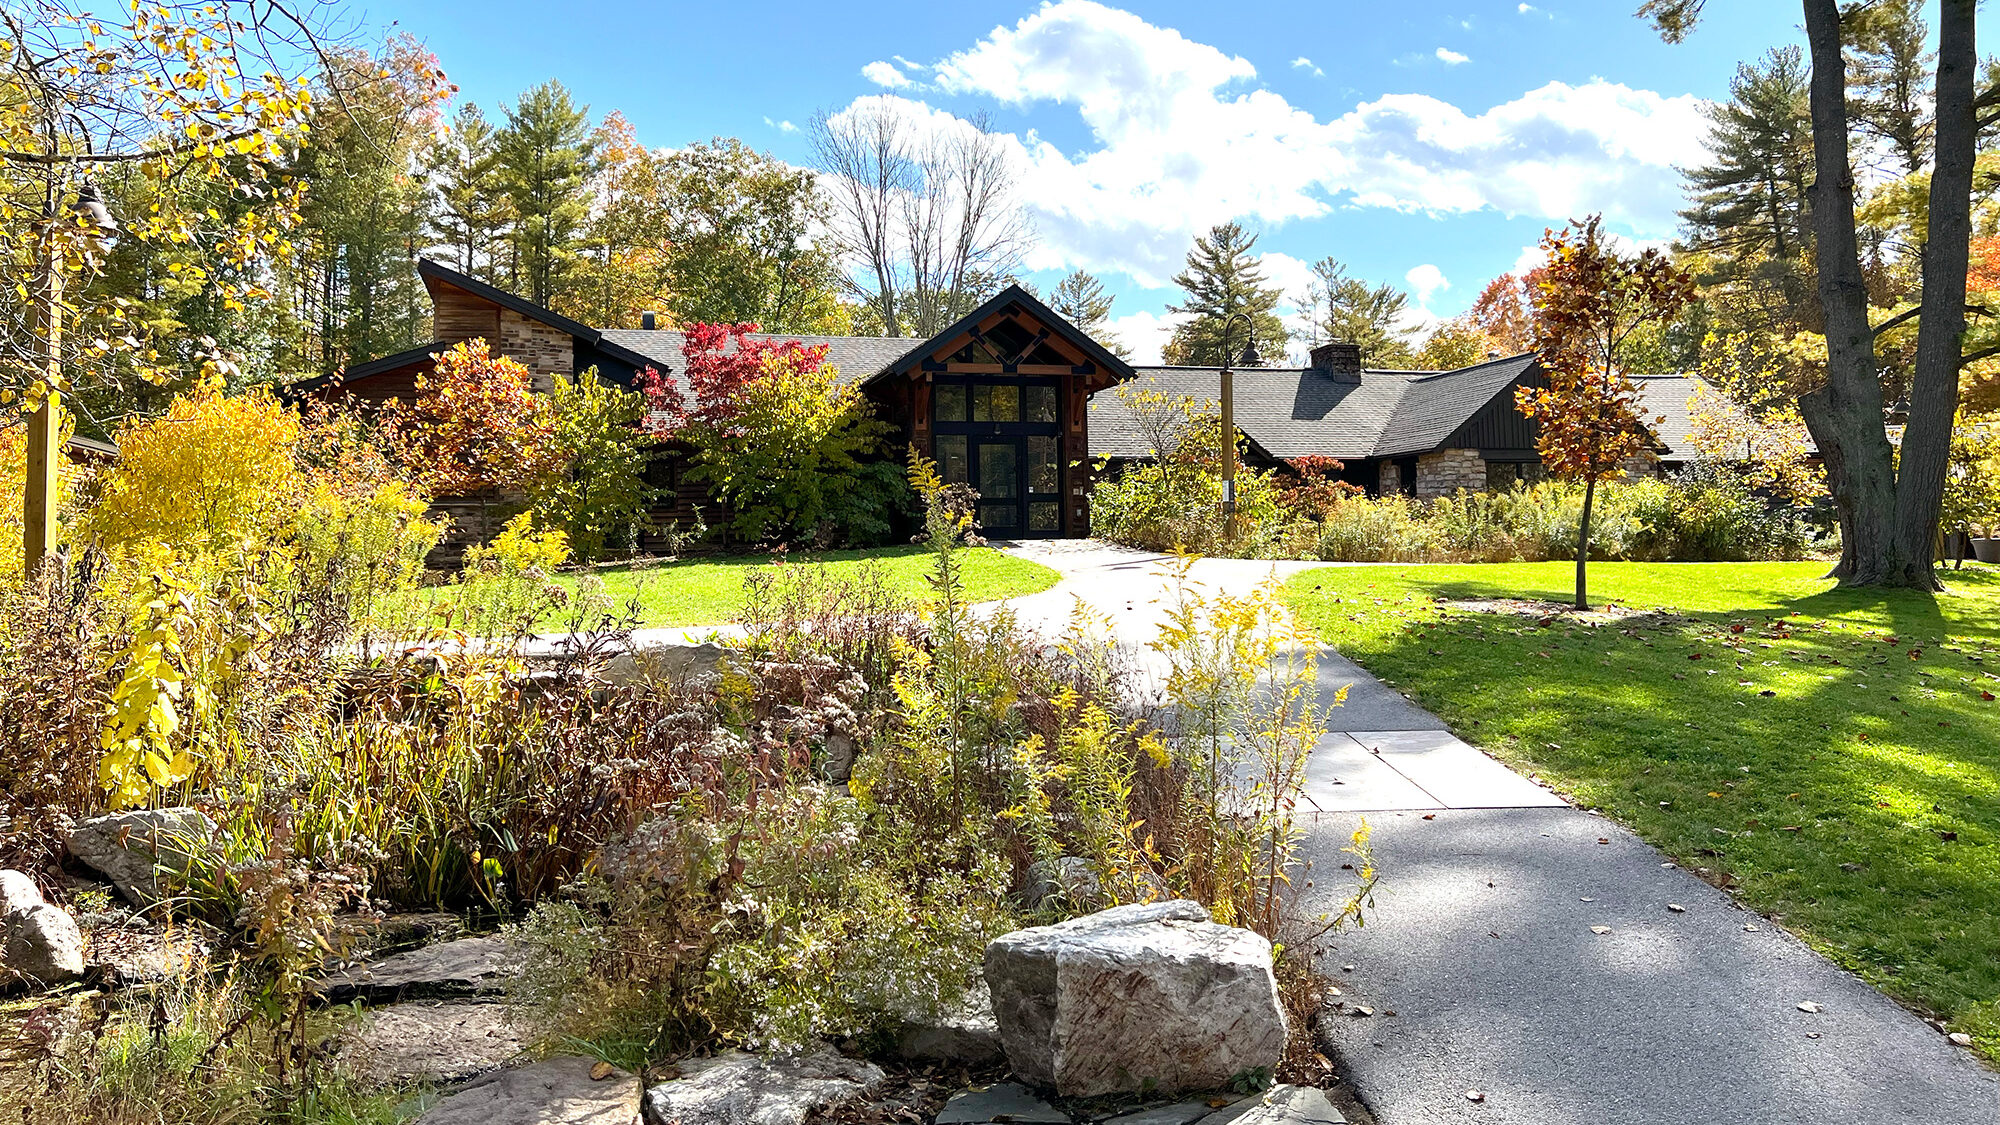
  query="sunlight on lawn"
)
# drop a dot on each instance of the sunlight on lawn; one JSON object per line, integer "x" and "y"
{"x": 1832, "y": 756}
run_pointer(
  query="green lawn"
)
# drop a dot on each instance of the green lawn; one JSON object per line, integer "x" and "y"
{"x": 710, "y": 591}
{"x": 1832, "y": 757}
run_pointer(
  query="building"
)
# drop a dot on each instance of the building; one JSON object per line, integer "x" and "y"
{"x": 1018, "y": 402}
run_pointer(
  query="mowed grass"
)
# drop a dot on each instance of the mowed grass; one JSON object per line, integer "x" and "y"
{"x": 1831, "y": 756}
{"x": 710, "y": 591}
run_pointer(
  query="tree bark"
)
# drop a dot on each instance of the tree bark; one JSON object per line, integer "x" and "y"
{"x": 1941, "y": 326}
{"x": 1845, "y": 415}
{"x": 1583, "y": 540}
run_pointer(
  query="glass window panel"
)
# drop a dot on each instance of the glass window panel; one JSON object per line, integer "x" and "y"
{"x": 951, "y": 459}
{"x": 1044, "y": 515}
{"x": 950, "y": 402}
{"x": 996, "y": 402}
{"x": 999, "y": 472}
{"x": 1041, "y": 404}
{"x": 1044, "y": 467}
{"x": 999, "y": 517}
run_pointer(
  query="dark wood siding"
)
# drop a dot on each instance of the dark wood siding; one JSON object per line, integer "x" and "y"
{"x": 1499, "y": 430}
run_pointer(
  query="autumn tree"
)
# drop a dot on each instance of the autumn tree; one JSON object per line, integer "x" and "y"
{"x": 786, "y": 444}
{"x": 1370, "y": 316}
{"x": 476, "y": 426}
{"x": 1454, "y": 344}
{"x": 594, "y": 489}
{"x": 1504, "y": 313}
{"x": 1888, "y": 500}
{"x": 1223, "y": 277}
{"x": 1589, "y": 302}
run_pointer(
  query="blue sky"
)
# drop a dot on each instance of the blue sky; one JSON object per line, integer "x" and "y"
{"x": 1422, "y": 143}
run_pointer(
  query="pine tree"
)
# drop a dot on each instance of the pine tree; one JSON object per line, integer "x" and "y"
{"x": 545, "y": 162}
{"x": 1081, "y": 300}
{"x": 1889, "y": 70}
{"x": 1347, "y": 308}
{"x": 473, "y": 212}
{"x": 1750, "y": 198}
{"x": 1222, "y": 278}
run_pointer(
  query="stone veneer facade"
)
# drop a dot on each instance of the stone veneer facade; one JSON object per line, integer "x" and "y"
{"x": 1389, "y": 482}
{"x": 548, "y": 352}
{"x": 1445, "y": 471}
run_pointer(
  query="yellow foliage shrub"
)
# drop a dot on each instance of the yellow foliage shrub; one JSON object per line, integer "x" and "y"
{"x": 212, "y": 472}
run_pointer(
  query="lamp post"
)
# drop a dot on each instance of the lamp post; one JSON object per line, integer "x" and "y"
{"x": 41, "y": 504}
{"x": 1249, "y": 359}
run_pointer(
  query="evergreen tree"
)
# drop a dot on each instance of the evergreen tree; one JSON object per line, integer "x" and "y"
{"x": 1222, "y": 278}
{"x": 1889, "y": 71}
{"x": 471, "y": 217}
{"x": 1750, "y": 198}
{"x": 1081, "y": 300}
{"x": 1347, "y": 308}
{"x": 545, "y": 160}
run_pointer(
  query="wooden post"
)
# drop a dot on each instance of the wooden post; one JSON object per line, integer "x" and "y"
{"x": 1229, "y": 447}
{"x": 41, "y": 503}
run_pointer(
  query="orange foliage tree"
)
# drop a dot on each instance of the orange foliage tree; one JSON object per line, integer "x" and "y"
{"x": 476, "y": 426}
{"x": 1589, "y": 300}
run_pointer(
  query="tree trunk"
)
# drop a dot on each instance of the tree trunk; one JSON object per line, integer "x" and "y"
{"x": 1583, "y": 540}
{"x": 1941, "y": 326}
{"x": 1845, "y": 415}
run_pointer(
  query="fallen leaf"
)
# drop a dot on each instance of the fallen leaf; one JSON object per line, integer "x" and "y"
{"x": 1363, "y": 1013}
{"x": 1808, "y": 1006}
{"x": 602, "y": 1071}
{"x": 1604, "y": 839}
{"x": 1475, "y": 1095}
{"x": 1430, "y": 816}
{"x": 1600, "y": 930}
{"x": 1677, "y": 908}
{"x": 1960, "y": 1038}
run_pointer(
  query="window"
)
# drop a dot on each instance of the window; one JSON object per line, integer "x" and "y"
{"x": 950, "y": 402}
{"x": 996, "y": 402}
{"x": 952, "y": 465}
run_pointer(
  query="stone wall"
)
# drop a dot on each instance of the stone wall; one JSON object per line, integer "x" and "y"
{"x": 1639, "y": 466}
{"x": 548, "y": 352}
{"x": 1445, "y": 471}
{"x": 1390, "y": 482}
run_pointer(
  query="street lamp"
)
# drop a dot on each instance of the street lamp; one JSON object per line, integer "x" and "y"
{"x": 39, "y": 503}
{"x": 1249, "y": 359}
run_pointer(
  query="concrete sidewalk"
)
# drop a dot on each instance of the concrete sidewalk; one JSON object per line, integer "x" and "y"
{"x": 1482, "y": 959}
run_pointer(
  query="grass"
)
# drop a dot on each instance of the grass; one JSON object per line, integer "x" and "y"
{"x": 710, "y": 591}
{"x": 1830, "y": 756}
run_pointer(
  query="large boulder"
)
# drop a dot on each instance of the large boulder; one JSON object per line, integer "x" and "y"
{"x": 964, "y": 1032}
{"x": 430, "y": 1041}
{"x": 734, "y": 1088}
{"x": 661, "y": 662}
{"x": 1151, "y": 998}
{"x": 562, "y": 1091}
{"x": 39, "y": 941}
{"x": 132, "y": 848}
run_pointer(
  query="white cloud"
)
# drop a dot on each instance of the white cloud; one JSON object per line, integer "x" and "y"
{"x": 1304, "y": 63}
{"x": 1145, "y": 333}
{"x": 1182, "y": 138}
{"x": 1450, "y": 57}
{"x": 1525, "y": 9}
{"x": 781, "y": 126}
{"x": 908, "y": 65}
{"x": 885, "y": 75}
{"x": 1530, "y": 258}
{"x": 1426, "y": 281}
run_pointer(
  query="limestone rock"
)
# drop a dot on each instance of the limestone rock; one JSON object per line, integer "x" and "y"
{"x": 425, "y": 1040}
{"x": 739, "y": 1089}
{"x": 554, "y": 1092}
{"x": 39, "y": 941}
{"x": 131, "y": 848}
{"x": 1135, "y": 998}
{"x": 965, "y": 1033}
{"x": 473, "y": 966}
{"x": 654, "y": 663}
{"x": 841, "y": 750}
{"x": 1073, "y": 881}
{"x": 1280, "y": 1105}
{"x": 1005, "y": 1101}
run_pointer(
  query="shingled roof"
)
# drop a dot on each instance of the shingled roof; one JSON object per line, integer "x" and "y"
{"x": 857, "y": 358}
{"x": 1292, "y": 413}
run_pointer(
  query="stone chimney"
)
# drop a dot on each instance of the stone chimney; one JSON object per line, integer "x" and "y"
{"x": 1339, "y": 361}
{"x": 647, "y": 320}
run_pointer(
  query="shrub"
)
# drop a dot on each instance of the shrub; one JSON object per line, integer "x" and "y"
{"x": 780, "y": 439}
{"x": 1173, "y": 501}
{"x": 594, "y": 490}
{"x": 474, "y": 427}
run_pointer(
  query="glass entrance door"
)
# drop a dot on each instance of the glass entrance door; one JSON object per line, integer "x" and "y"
{"x": 1000, "y": 434}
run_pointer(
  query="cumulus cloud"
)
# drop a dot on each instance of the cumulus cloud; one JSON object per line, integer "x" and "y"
{"x": 1304, "y": 63}
{"x": 1426, "y": 281}
{"x": 1450, "y": 57}
{"x": 885, "y": 75}
{"x": 1182, "y": 137}
{"x": 1145, "y": 333}
{"x": 781, "y": 126}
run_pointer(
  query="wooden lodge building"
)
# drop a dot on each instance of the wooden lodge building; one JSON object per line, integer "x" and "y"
{"x": 1018, "y": 402}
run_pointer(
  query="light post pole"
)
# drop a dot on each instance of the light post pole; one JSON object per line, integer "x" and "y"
{"x": 41, "y": 499}
{"x": 1250, "y": 359}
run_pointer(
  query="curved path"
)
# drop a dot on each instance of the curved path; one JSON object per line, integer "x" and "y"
{"x": 1482, "y": 959}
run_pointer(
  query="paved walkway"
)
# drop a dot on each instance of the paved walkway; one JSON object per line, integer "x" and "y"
{"x": 1482, "y": 963}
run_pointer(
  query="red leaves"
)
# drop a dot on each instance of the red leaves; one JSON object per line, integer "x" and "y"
{"x": 722, "y": 362}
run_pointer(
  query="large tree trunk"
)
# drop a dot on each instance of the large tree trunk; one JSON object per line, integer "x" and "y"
{"x": 1941, "y": 328}
{"x": 1845, "y": 415}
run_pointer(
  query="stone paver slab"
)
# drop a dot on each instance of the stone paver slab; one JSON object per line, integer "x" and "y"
{"x": 1342, "y": 776}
